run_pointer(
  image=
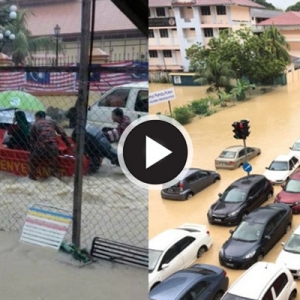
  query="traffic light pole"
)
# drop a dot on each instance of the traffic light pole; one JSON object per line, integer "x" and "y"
{"x": 246, "y": 154}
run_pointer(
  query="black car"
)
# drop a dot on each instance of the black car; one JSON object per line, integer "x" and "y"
{"x": 198, "y": 282}
{"x": 239, "y": 199}
{"x": 194, "y": 181}
{"x": 256, "y": 235}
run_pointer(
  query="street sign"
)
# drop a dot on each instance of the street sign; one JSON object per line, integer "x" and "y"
{"x": 162, "y": 96}
{"x": 247, "y": 167}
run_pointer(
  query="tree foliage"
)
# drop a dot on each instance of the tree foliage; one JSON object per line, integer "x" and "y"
{"x": 294, "y": 7}
{"x": 24, "y": 44}
{"x": 265, "y": 4}
{"x": 257, "y": 57}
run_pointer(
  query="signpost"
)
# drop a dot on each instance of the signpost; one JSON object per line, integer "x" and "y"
{"x": 162, "y": 96}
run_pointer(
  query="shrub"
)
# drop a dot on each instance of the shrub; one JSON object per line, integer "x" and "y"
{"x": 183, "y": 114}
{"x": 199, "y": 107}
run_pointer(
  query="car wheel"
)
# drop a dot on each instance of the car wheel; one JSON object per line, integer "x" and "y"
{"x": 201, "y": 250}
{"x": 293, "y": 295}
{"x": 260, "y": 257}
{"x": 189, "y": 196}
{"x": 219, "y": 295}
{"x": 288, "y": 228}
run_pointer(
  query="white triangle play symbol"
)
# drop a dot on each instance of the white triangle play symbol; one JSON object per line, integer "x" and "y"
{"x": 155, "y": 152}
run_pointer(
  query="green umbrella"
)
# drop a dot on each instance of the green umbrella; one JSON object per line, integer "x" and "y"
{"x": 20, "y": 100}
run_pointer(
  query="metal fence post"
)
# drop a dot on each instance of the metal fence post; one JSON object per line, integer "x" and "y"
{"x": 81, "y": 120}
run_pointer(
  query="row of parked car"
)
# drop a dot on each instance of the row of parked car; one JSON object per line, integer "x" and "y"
{"x": 258, "y": 230}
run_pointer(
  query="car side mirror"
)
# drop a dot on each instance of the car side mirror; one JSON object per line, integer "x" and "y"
{"x": 267, "y": 237}
{"x": 89, "y": 108}
{"x": 231, "y": 231}
{"x": 291, "y": 148}
{"x": 267, "y": 168}
{"x": 220, "y": 195}
{"x": 164, "y": 266}
{"x": 282, "y": 244}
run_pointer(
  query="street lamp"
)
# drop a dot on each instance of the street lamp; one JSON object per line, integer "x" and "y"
{"x": 6, "y": 37}
{"x": 56, "y": 34}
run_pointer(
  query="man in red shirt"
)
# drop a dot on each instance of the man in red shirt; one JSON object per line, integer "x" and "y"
{"x": 43, "y": 144}
{"x": 114, "y": 134}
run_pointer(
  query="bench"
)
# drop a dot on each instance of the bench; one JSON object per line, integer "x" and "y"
{"x": 119, "y": 252}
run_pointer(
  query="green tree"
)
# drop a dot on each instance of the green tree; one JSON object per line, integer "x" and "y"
{"x": 265, "y": 4}
{"x": 240, "y": 89}
{"x": 216, "y": 74}
{"x": 294, "y": 7}
{"x": 24, "y": 44}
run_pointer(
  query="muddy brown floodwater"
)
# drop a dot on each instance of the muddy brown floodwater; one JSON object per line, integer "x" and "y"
{"x": 274, "y": 125}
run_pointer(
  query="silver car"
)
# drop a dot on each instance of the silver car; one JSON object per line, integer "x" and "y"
{"x": 234, "y": 157}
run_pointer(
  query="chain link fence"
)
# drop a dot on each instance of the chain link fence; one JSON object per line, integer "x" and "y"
{"x": 112, "y": 206}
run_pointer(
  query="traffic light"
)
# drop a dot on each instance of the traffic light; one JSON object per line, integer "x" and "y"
{"x": 238, "y": 130}
{"x": 246, "y": 128}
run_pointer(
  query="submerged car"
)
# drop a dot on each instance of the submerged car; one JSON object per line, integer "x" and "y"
{"x": 255, "y": 236}
{"x": 201, "y": 281}
{"x": 176, "y": 249}
{"x": 295, "y": 149}
{"x": 239, "y": 199}
{"x": 290, "y": 193}
{"x": 194, "y": 181}
{"x": 282, "y": 168}
{"x": 235, "y": 156}
{"x": 290, "y": 254}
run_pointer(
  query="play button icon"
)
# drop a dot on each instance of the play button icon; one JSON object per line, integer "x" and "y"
{"x": 154, "y": 150}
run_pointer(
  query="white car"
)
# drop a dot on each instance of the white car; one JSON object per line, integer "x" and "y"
{"x": 263, "y": 281}
{"x": 290, "y": 254}
{"x": 295, "y": 149}
{"x": 176, "y": 249}
{"x": 282, "y": 168}
{"x": 132, "y": 98}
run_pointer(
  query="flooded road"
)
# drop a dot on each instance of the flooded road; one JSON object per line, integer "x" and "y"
{"x": 274, "y": 126}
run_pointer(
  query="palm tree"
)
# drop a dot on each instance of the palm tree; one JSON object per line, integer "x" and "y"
{"x": 240, "y": 89}
{"x": 216, "y": 74}
{"x": 279, "y": 45}
{"x": 24, "y": 45}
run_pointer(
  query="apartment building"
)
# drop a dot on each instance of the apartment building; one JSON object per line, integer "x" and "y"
{"x": 176, "y": 25}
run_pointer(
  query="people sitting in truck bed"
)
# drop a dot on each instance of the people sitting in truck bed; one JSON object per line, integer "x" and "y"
{"x": 18, "y": 133}
{"x": 114, "y": 134}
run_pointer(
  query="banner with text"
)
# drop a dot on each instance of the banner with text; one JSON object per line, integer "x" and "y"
{"x": 161, "y": 96}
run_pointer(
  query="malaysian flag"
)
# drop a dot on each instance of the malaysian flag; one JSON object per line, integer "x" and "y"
{"x": 12, "y": 81}
{"x": 50, "y": 81}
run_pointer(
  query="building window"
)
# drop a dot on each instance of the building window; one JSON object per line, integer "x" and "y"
{"x": 151, "y": 33}
{"x": 205, "y": 10}
{"x": 208, "y": 32}
{"x": 163, "y": 33}
{"x": 153, "y": 53}
{"x": 160, "y": 12}
{"x": 221, "y": 10}
{"x": 149, "y": 12}
{"x": 167, "y": 53}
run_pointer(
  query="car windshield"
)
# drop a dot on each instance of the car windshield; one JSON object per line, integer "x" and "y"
{"x": 248, "y": 232}
{"x": 227, "y": 154}
{"x": 229, "y": 296}
{"x": 279, "y": 166}
{"x": 234, "y": 195}
{"x": 292, "y": 186}
{"x": 154, "y": 256}
{"x": 293, "y": 244}
{"x": 296, "y": 147}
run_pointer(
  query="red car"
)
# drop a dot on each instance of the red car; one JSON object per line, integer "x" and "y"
{"x": 290, "y": 193}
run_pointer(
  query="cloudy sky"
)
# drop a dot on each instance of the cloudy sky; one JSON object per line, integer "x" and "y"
{"x": 283, "y": 4}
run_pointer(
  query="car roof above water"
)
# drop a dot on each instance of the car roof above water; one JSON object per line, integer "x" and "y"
{"x": 248, "y": 180}
{"x": 259, "y": 275}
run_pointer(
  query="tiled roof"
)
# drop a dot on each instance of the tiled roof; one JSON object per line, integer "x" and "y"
{"x": 288, "y": 18}
{"x": 68, "y": 16}
{"x": 221, "y": 2}
{"x": 165, "y": 3}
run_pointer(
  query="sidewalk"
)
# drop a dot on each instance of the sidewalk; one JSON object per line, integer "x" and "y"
{"x": 28, "y": 272}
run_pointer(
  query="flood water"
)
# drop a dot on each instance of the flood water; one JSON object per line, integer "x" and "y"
{"x": 274, "y": 125}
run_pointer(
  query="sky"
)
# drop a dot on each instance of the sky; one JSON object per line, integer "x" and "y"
{"x": 283, "y": 4}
